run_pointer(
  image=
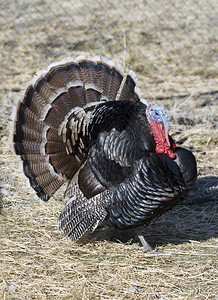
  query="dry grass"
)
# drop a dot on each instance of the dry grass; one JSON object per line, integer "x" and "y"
{"x": 36, "y": 262}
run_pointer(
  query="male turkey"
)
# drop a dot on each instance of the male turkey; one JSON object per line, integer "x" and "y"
{"x": 69, "y": 126}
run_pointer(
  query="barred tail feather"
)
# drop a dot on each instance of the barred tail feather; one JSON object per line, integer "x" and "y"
{"x": 130, "y": 91}
{"x": 82, "y": 215}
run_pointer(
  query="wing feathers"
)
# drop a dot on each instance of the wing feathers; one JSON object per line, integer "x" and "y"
{"x": 88, "y": 183}
{"x": 81, "y": 215}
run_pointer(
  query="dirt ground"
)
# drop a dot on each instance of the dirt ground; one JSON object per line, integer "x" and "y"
{"x": 172, "y": 47}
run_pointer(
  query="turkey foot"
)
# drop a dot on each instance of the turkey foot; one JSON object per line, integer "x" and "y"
{"x": 146, "y": 246}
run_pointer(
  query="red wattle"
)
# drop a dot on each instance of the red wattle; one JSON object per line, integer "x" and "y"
{"x": 162, "y": 146}
{"x": 159, "y": 149}
{"x": 171, "y": 154}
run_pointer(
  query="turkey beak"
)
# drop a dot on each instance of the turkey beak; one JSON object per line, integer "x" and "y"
{"x": 166, "y": 128}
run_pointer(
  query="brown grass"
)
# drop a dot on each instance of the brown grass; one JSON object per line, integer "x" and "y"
{"x": 174, "y": 56}
{"x": 38, "y": 263}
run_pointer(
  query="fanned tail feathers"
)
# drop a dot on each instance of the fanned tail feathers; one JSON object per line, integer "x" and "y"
{"x": 52, "y": 107}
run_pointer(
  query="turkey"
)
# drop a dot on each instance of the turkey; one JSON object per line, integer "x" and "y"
{"x": 83, "y": 122}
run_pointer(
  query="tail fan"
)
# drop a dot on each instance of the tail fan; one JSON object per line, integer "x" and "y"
{"x": 42, "y": 115}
